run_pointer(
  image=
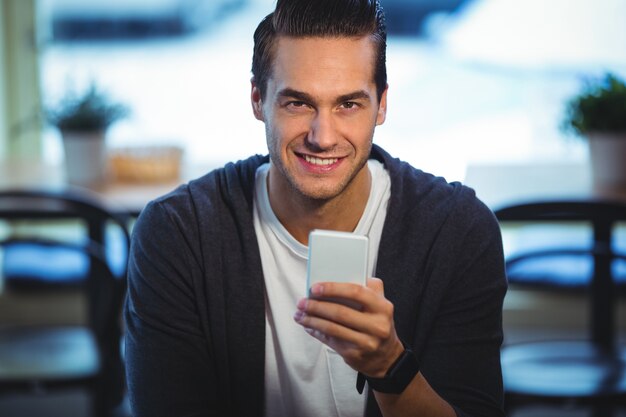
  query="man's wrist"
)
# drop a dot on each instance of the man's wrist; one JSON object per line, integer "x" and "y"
{"x": 397, "y": 378}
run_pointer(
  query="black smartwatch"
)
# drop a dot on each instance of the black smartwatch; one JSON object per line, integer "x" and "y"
{"x": 397, "y": 378}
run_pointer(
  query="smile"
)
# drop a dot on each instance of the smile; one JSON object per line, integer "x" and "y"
{"x": 320, "y": 161}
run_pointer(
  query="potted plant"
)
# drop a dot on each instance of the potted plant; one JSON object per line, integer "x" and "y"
{"x": 598, "y": 113}
{"x": 83, "y": 120}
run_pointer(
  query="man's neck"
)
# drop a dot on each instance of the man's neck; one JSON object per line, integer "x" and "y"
{"x": 300, "y": 214}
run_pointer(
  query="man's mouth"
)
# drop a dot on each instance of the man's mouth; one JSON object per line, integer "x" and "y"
{"x": 320, "y": 161}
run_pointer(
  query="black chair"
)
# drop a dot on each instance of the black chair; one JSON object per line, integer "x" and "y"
{"x": 589, "y": 373}
{"x": 43, "y": 357}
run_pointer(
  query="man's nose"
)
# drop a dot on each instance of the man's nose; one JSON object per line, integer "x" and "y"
{"x": 323, "y": 133}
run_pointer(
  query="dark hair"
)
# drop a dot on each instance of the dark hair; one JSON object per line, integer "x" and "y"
{"x": 324, "y": 18}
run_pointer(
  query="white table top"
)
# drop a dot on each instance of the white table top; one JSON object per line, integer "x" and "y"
{"x": 125, "y": 195}
{"x": 498, "y": 185}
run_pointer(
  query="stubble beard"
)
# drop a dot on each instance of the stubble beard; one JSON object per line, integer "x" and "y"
{"x": 320, "y": 195}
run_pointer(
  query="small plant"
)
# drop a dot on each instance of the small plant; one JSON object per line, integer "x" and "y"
{"x": 600, "y": 107}
{"x": 92, "y": 111}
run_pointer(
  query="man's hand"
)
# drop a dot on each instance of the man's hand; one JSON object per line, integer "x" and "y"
{"x": 365, "y": 338}
{"x": 367, "y": 341}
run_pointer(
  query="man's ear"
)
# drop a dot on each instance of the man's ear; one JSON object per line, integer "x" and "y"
{"x": 257, "y": 102}
{"x": 382, "y": 108}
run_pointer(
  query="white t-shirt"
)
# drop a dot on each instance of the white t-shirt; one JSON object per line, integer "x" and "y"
{"x": 304, "y": 377}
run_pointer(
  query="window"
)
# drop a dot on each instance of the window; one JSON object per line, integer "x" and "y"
{"x": 484, "y": 83}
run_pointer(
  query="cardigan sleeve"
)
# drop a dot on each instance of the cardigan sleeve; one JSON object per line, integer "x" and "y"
{"x": 168, "y": 362}
{"x": 461, "y": 358}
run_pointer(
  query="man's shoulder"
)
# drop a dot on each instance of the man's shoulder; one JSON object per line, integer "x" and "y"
{"x": 230, "y": 177}
{"x": 411, "y": 183}
{"x": 232, "y": 183}
{"x": 427, "y": 195}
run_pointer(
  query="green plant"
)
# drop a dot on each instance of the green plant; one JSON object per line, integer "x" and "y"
{"x": 599, "y": 107}
{"x": 91, "y": 111}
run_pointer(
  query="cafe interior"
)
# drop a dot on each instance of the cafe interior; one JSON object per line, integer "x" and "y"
{"x": 107, "y": 105}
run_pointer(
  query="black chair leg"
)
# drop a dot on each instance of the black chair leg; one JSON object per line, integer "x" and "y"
{"x": 602, "y": 411}
{"x": 100, "y": 403}
{"x": 97, "y": 406}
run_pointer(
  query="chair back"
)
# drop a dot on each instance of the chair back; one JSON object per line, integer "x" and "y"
{"x": 105, "y": 282}
{"x": 602, "y": 217}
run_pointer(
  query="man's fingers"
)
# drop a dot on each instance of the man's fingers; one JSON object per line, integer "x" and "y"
{"x": 375, "y": 325}
{"x": 365, "y": 338}
{"x": 376, "y": 284}
{"x": 364, "y": 295}
{"x": 338, "y": 337}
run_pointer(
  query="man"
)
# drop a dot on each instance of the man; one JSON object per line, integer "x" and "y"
{"x": 216, "y": 315}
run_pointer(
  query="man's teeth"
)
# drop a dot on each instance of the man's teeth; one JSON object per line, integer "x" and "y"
{"x": 320, "y": 161}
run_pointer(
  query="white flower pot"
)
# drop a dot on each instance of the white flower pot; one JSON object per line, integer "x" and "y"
{"x": 85, "y": 158}
{"x": 608, "y": 164}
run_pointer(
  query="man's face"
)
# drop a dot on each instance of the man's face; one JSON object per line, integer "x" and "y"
{"x": 320, "y": 110}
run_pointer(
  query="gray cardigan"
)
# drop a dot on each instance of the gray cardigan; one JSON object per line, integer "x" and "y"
{"x": 195, "y": 308}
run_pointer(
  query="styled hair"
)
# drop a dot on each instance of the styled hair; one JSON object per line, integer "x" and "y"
{"x": 320, "y": 18}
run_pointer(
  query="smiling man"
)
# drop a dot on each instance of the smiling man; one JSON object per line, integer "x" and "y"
{"x": 320, "y": 107}
{"x": 217, "y": 316}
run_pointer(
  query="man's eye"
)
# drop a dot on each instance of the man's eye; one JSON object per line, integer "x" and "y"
{"x": 349, "y": 105}
{"x": 297, "y": 104}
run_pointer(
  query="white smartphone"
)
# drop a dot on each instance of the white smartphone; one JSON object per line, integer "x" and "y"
{"x": 336, "y": 256}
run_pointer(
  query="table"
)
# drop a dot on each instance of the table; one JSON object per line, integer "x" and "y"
{"x": 123, "y": 197}
{"x": 500, "y": 184}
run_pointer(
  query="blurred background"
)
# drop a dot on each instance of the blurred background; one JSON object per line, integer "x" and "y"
{"x": 471, "y": 81}
{"x": 477, "y": 93}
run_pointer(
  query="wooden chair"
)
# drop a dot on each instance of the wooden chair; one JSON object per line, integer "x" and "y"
{"x": 589, "y": 372}
{"x": 36, "y": 358}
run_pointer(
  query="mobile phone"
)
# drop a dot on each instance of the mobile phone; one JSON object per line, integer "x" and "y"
{"x": 337, "y": 256}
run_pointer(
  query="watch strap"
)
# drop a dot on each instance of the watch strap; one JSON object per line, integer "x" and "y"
{"x": 397, "y": 378}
